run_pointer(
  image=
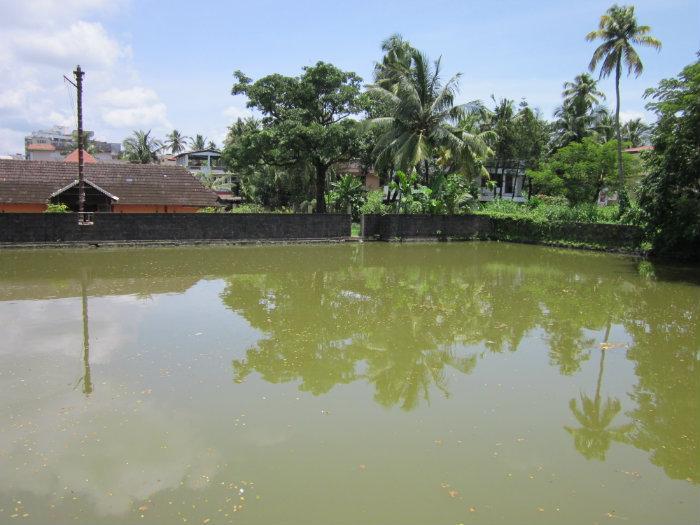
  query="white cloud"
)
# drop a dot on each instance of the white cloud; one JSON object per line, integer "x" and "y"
{"x": 236, "y": 112}
{"x": 133, "y": 108}
{"x": 11, "y": 141}
{"x": 137, "y": 117}
{"x": 626, "y": 116}
{"x": 82, "y": 42}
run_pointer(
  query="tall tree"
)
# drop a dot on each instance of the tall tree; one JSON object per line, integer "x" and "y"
{"x": 421, "y": 114}
{"x": 198, "y": 142}
{"x": 211, "y": 145}
{"x": 619, "y": 31}
{"x": 635, "y": 132}
{"x": 305, "y": 120}
{"x": 670, "y": 194}
{"x": 531, "y": 136}
{"x": 176, "y": 141}
{"x": 141, "y": 148}
{"x": 580, "y": 110}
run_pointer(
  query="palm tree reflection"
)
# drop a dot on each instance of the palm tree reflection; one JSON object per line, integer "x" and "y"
{"x": 594, "y": 437}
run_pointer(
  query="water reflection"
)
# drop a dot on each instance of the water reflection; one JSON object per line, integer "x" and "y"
{"x": 400, "y": 324}
{"x": 410, "y": 322}
{"x": 86, "y": 378}
{"x": 595, "y": 435}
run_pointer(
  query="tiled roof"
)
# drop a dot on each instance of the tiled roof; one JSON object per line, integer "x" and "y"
{"x": 41, "y": 147}
{"x": 32, "y": 181}
{"x": 87, "y": 158}
{"x": 639, "y": 149}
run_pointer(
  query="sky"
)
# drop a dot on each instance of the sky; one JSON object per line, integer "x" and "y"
{"x": 165, "y": 65}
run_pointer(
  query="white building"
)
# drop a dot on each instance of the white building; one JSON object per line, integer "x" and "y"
{"x": 506, "y": 181}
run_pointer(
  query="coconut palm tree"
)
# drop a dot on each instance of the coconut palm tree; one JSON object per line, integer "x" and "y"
{"x": 580, "y": 109}
{"x": 141, "y": 148}
{"x": 636, "y": 132}
{"x": 422, "y": 115}
{"x": 583, "y": 93}
{"x": 176, "y": 141}
{"x": 619, "y": 31}
{"x": 604, "y": 123}
{"x": 397, "y": 61}
{"x": 198, "y": 142}
{"x": 212, "y": 145}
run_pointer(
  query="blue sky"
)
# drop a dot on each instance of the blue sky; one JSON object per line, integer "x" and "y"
{"x": 156, "y": 65}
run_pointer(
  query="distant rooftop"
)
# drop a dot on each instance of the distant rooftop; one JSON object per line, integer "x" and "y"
{"x": 41, "y": 147}
{"x": 639, "y": 149}
{"x": 87, "y": 158}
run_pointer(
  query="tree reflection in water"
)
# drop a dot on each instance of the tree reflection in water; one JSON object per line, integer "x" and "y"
{"x": 401, "y": 322}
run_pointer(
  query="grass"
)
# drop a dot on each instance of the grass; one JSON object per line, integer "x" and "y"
{"x": 355, "y": 229}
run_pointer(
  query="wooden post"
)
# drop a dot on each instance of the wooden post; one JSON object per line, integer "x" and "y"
{"x": 79, "y": 73}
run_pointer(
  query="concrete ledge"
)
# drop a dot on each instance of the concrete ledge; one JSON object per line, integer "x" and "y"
{"x": 63, "y": 228}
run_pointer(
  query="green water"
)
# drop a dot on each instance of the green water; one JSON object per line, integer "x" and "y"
{"x": 348, "y": 384}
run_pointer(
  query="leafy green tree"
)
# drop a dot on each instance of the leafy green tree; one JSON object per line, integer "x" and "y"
{"x": 582, "y": 169}
{"x": 619, "y": 30}
{"x": 198, "y": 143}
{"x": 532, "y": 135}
{"x": 262, "y": 183}
{"x": 141, "y": 148}
{"x": 176, "y": 141}
{"x": 305, "y": 121}
{"x": 670, "y": 195}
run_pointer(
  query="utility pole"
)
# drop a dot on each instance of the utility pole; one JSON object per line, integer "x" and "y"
{"x": 79, "y": 73}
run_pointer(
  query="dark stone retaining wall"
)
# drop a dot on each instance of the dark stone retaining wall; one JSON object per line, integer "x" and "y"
{"x": 406, "y": 227}
{"x": 123, "y": 227}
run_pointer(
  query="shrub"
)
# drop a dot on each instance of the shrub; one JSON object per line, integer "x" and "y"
{"x": 56, "y": 208}
{"x": 248, "y": 208}
{"x": 375, "y": 204}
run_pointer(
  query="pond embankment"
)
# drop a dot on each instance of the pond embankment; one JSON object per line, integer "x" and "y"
{"x": 47, "y": 229}
{"x": 617, "y": 237}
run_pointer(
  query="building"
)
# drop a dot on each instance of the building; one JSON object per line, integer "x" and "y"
{"x": 28, "y": 186}
{"x": 638, "y": 150}
{"x": 209, "y": 169}
{"x": 74, "y": 157}
{"x": 63, "y": 142}
{"x": 43, "y": 151}
{"x": 202, "y": 161}
{"x": 59, "y": 137}
{"x": 369, "y": 178}
{"x": 506, "y": 181}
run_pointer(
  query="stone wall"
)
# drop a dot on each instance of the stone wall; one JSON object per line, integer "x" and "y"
{"x": 415, "y": 227}
{"x": 123, "y": 227}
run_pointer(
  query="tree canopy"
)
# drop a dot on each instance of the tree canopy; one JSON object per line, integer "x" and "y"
{"x": 670, "y": 194}
{"x": 305, "y": 121}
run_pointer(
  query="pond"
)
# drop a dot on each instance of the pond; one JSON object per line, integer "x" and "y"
{"x": 439, "y": 383}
